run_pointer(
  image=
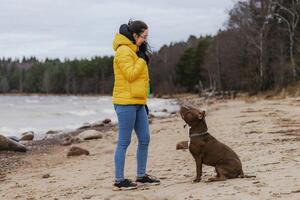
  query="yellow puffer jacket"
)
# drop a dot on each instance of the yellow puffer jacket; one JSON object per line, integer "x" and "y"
{"x": 131, "y": 73}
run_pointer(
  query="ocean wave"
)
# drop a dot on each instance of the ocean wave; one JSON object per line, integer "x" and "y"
{"x": 83, "y": 112}
{"x": 108, "y": 111}
{"x": 7, "y": 131}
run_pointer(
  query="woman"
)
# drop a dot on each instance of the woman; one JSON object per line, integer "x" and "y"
{"x": 129, "y": 98}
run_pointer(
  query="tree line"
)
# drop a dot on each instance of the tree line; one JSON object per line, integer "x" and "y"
{"x": 94, "y": 76}
{"x": 258, "y": 49}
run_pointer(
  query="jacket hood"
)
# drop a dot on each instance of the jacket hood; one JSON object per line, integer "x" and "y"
{"x": 124, "y": 37}
{"x": 124, "y": 30}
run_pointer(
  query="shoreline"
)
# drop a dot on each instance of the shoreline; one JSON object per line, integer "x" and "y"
{"x": 60, "y": 113}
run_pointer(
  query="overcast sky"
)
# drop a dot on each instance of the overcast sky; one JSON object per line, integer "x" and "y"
{"x": 86, "y": 28}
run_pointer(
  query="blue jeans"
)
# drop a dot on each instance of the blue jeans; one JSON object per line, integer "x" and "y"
{"x": 131, "y": 117}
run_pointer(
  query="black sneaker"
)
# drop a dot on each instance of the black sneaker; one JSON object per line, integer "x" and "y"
{"x": 148, "y": 180}
{"x": 126, "y": 184}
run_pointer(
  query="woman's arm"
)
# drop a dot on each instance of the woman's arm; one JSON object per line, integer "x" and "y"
{"x": 129, "y": 68}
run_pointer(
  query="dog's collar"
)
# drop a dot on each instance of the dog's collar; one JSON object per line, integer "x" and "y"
{"x": 197, "y": 133}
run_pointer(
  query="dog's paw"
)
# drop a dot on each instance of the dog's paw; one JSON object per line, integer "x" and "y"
{"x": 196, "y": 180}
{"x": 215, "y": 179}
{"x": 209, "y": 180}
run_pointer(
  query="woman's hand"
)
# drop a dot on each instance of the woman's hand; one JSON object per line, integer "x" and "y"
{"x": 143, "y": 55}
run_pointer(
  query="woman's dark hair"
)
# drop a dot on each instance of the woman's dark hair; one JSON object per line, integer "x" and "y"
{"x": 137, "y": 26}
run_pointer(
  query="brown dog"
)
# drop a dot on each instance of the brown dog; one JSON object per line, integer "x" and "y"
{"x": 208, "y": 150}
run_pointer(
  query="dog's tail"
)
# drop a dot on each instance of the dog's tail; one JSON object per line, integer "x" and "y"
{"x": 242, "y": 175}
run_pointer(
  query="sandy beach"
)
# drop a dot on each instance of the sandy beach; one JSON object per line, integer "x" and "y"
{"x": 264, "y": 133}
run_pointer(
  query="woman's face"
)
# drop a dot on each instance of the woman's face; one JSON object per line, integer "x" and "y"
{"x": 139, "y": 39}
